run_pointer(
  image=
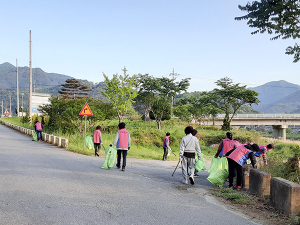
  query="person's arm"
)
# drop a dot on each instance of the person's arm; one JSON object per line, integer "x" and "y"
{"x": 265, "y": 156}
{"x": 229, "y": 152}
{"x": 219, "y": 149}
{"x": 252, "y": 159}
{"x": 198, "y": 149}
{"x": 129, "y": 141}
{"x": 116, "y": 139}
{"x": 100, "y": 138}
{"x": 181, "y": 148}
{"x": 167, "y": 142}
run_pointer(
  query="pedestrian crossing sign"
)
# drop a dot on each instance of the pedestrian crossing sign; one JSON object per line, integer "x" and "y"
{"x": 86, "y": 111}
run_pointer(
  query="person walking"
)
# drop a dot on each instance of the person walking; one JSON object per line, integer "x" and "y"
{"x": 166, "y": 144}
{"x": 97, "y": 139}
{"x": 38, "y": 129}
{"x": 237, "y": 158}
{"x": 226, "y": 145}
{"x": 122, "y": 142}
{"x": 189, "y": 145}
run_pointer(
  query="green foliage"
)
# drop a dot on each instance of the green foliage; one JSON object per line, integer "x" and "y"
{"x": 64, "y": 114}
{"x": 120, "y": 92}
{"x": 279, "y": 17}
{"x": 25, "y": 119}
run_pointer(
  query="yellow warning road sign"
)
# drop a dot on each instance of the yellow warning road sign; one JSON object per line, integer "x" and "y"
{"x": 86, "y": 111}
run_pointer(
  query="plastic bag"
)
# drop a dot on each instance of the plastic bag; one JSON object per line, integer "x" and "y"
{"x": 220, "y": 174}
{"x": 89, "y": 143}
{"x": 214, "y": 163}
{"x": 110, "y": 157}
{"x": 199, "y": 165}
{"x": 34, "y": 136}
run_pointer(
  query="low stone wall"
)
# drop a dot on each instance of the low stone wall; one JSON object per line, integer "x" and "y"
{"x": 285, "y": 195}
{"x": 261, "y": 182}
{"x": 61, "y": 142}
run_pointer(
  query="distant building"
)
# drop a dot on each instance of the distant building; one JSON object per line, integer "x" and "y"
{"x": 39, "y": 99}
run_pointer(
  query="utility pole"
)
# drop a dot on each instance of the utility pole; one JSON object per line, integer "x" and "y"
{"x": 2, "y": 109}
{"x": 10, "y": 103}
{"x": 174, "y": 76}
{"x": 30, "y": 79}
{"x": 22, "y": 103}
{"x": 18, "y": 104}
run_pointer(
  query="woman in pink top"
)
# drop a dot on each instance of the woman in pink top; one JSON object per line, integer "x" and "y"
{"x": 97, "y": 138}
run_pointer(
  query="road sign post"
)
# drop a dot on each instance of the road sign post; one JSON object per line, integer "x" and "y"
{"x": 86, "y": 111}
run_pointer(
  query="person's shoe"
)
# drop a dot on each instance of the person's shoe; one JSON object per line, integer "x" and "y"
{"x": 123, "y": 168}
{"x": 196, "y": 175}
{"x": 117, "y": 166}
{"x": 239, "y": 188}
{"x": 192, "y": 180}
{"x": 185, "y": 181}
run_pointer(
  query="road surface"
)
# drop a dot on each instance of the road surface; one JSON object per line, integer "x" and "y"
{"x": 44, "y": 184}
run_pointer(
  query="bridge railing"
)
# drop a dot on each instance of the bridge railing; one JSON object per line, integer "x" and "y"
{"x": 282, "y": 115}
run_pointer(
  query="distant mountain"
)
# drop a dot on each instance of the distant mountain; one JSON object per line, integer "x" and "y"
{"x": 40, "y": 79}
{"x": 277, "y": 97}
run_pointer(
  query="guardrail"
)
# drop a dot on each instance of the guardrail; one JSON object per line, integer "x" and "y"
{"x": 283, "y": 115}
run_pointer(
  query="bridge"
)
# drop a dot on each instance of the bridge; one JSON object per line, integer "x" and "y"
{"x": 279, "y": 122}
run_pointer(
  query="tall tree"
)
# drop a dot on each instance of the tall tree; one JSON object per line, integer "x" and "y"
{"x": 230, "y": 97}
{"x": 74, "y": 89}
{"x": 278, "y": 17}
{"x": 155, "y": 94}
{"x": 120, "y": 91}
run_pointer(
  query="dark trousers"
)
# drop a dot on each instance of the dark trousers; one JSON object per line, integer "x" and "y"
{"x": 97, "y": 148}
{"x": 165, "y": 154}
{"x": 233, "y": 165}
{"x": 39, "y": 135}
{"x": 124, "y": 153}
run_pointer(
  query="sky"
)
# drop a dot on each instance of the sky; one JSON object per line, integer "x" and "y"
{"x": 199, "y": 39}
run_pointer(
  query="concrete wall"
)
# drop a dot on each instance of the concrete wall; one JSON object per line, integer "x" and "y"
{"x": 285, "y": 195}
{"x": 61, "y": 142}
{"x": 260, "y": 184}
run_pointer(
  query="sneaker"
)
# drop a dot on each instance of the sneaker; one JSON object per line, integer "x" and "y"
{"x": 239, "y": 188}
{"x": 192, "y": 181}
{"x": 196, "y": 175}
{"x": 117, "y": 166}
{"x": 185, "y": 181}
{"x": 123, "y": 168}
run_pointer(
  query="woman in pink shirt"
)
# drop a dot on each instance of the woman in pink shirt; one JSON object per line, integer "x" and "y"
{"x": 97, "y": 138}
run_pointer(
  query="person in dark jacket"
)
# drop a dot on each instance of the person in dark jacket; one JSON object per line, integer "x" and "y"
{"x": 38, "y": 129}
{"x": 237, "y": 158}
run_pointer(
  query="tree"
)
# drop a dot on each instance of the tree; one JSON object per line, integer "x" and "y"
{"x": 120, "y": 91}
{"x": 64, "y": 114}
{"x": 155, "y": 94}
{"x": 73, "y": 89}
{"x": 278, "y": 17}
{"x": 230, "y": 97}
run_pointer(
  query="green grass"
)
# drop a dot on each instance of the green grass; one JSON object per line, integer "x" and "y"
{"x": 231, "y": 195}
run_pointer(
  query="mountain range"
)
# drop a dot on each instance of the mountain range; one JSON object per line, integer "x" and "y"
{"x": 275, "y": 96}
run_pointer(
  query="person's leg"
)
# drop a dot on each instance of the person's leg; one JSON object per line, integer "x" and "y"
{"x": 118, "y": 158}
{"x": 231, "y": 171}
{"x": 239, "y": 171}
{"x": 96, "y": 145}
{"x": 124, "y": 152}
{"x": 184, "y": 166}
{"x": 164, "y": 156}
{"x": 41, "y": 133}
{"x": 191, "y": 163}
{"x": 38, "y": 133}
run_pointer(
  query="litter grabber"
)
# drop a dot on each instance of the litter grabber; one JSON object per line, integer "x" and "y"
{"x": 176, "y": 166}
{"x": 171, "y": 151}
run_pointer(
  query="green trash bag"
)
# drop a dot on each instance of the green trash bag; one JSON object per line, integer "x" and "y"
{"x": 214, "y": 163}
{"x": 220, "y": 174}
{"x": 89, "y": 143}
{"x": 110, "y": 157}
{"x": 199, "y": 165}
{"x": 34, "y": 136}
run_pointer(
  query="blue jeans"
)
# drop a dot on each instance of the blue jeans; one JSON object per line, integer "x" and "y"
{"x": 39, "y": 135}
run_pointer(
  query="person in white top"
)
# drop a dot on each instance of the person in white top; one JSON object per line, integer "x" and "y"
{"x": 188, "y": 146}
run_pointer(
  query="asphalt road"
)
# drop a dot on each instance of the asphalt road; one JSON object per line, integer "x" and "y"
{"x": 43, "y": 184}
